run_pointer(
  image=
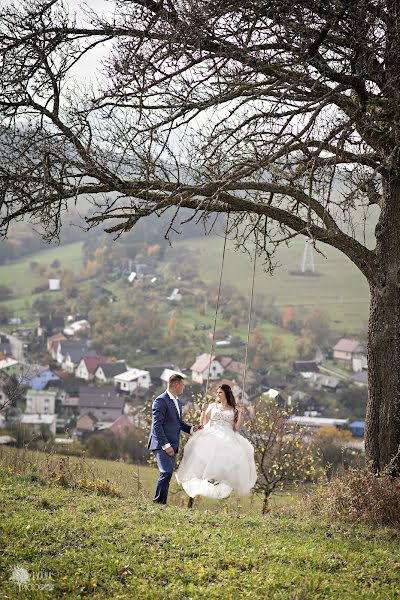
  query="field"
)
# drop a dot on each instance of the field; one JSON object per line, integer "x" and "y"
{"x": 103, "y": 547}
{"x": 340, "y": 290}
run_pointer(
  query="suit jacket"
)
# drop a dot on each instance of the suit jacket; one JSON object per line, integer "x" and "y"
{"x": 166, "y": 424}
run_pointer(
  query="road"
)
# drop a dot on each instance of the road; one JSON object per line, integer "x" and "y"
{"x": 17, "y": 346}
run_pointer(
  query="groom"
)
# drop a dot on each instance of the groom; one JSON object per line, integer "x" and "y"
{"x": 165, "y": 432}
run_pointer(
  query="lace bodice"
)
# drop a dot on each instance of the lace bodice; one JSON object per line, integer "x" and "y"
{"x": 221, "y": 418}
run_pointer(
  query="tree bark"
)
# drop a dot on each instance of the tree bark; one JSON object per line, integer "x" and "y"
{"x": 382, "y": 435}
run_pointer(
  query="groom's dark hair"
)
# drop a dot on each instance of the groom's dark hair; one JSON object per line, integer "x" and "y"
{"x": 175, "y": 378}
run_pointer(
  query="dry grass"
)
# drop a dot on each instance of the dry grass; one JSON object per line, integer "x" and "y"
{"x": 358, "y": 495}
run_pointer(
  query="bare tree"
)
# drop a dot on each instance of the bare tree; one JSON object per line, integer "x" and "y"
{"x": 283, "y": 115}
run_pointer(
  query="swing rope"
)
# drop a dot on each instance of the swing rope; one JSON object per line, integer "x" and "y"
{"x": 216, "y": 310}
{"x": 216, "y": 316}
{"x": 249, "y": 318}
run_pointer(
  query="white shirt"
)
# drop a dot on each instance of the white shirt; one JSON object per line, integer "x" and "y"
{"x": 179, "y": 414}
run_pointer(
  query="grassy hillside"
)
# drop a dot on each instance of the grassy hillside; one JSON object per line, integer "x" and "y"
{"x": 127, "y": 547}
{"x": 22, "y": 278}
{"x": 340, "y": 290}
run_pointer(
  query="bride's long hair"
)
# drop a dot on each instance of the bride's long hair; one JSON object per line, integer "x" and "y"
{"x": 230, "y": 398}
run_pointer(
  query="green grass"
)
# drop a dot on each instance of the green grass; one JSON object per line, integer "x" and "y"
{"x": 341, "y": 290}
{"x": 127, "y": 547}
{"x": 21, "y": 278}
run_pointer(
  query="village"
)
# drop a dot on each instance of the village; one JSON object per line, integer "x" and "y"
{"x": 81, "y": 394}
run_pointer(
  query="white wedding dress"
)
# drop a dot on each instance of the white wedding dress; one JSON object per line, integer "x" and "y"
{"x": 217, "y": 459}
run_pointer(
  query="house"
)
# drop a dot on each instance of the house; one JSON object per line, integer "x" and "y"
{"x": 131, "y": 380}
{"x": 85, "y": 425}
{"x": 52, "y": 344}
{"x": 67, "y": 403}
{"x": 205, "y": 364}
{"x": 39, "y": 377}
{"x": 38, "y": 421}
{"x": 70, "y": 352}
{"x": 357, "y": 428}
{"x": 346, "y": 349}
{"x": 275, "y": 396}
{"x": 315, "y": 422}
{"x": 359, "y": 363}
{"x": 104, "y": 402}
{"x": 166, "y": 374}
{"x": 9, "y": 365}
{"x": 237, "y": 369}
{"x": 305, "y": 366}
{"x": 50, "y": 324}
{"x": 41, "y": 402}
{"x": 121, "y": 424}
{"x": 88, "y": 365}
{"x": 5, "y": 345}
{"x": 158, "y": 371}
{"x": 330, "y": 384}
{"x": 106, "y": 372}
{"x": 76, "y": 327}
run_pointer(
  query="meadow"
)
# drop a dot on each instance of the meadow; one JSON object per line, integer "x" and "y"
{"x": 340, "y": 290}
{"x": 126, "y": 547}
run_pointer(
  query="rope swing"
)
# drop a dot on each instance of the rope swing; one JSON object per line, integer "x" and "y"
{"x": 216, "y": 316}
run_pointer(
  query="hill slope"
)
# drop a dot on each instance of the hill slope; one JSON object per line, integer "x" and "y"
{"x": 128, "y": 548}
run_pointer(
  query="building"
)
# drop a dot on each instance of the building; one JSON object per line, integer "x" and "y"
{"x": 275, "y": 396}
{"x": 70, "y": 352}
{"x": 166, "y": 374}
{"x": 50, "y": 324}
{"x": 5, "y": 345}
{"x": 76, "y": 327}
{"x": 359, "y": 363}
{"x": 103, "y": 402}
{"x": 38, "y": 421}
{"x": 201, "y": 367}
{"x": 9, "y": 365}
{"x": 105, "y": 372}
{"x": 357, "y": 428}
{"x": 315, "y": 422}
{"x": 121, "y": 424}
{"x": 41, "y": 402}
{"x": 237, "y": 369}
{"x": 88, "y": 365}
{"x": 347, "y": 349}
{"x": 131, "y": 380}
{"x": 39, "y": 377}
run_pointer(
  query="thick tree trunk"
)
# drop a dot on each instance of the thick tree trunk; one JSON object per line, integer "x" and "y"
{"x": 382, "y": 435}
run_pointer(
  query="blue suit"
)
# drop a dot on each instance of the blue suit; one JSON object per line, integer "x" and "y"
{"x": 166, "y": 426}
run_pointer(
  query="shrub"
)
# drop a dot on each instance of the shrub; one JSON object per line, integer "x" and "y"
{"x": 358, "y": 495}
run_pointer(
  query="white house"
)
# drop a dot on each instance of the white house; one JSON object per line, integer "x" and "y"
{"x": 107, "y": 371}
{"x": 41, "y": 402}
{"x": 88, "y": 365}
{"x": 77, "y": 327}
{"x": 166, "y": 374}
{"x": 347, "y": 349}
{"x": 201, "y": 367}
{"x": 36, "y": 421}
{"x": 132, "y": 379}
{"x": 359, "y": 363}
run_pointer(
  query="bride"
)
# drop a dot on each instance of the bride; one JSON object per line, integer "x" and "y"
{"x": 217, "y": 459}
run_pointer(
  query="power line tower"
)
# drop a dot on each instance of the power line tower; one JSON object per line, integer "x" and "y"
{"x": 308, "y": 264}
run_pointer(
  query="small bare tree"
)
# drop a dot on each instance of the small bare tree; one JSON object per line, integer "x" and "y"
{"x": 283, "y": 456}
{"x": 284, "y": 115}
